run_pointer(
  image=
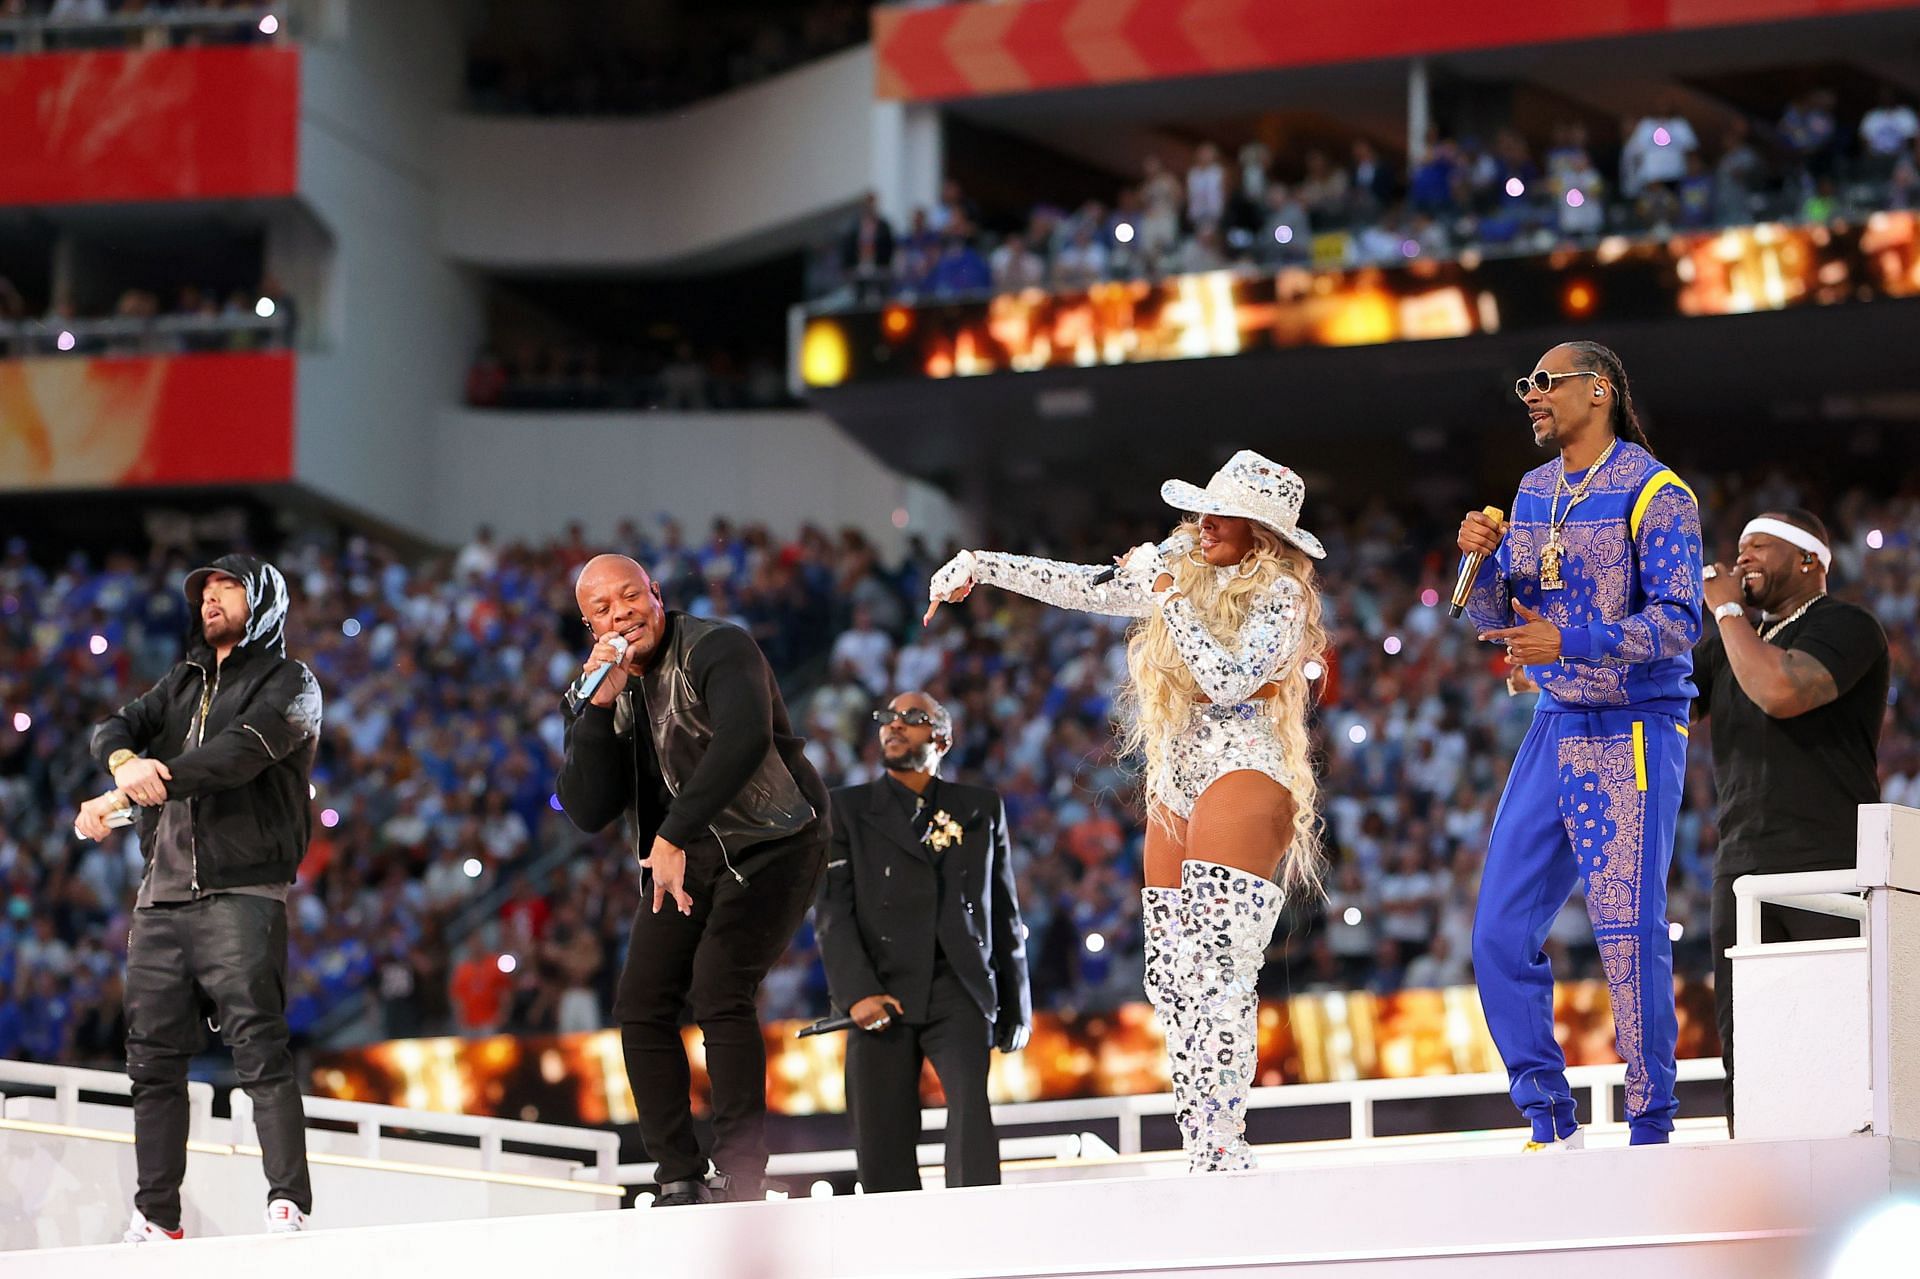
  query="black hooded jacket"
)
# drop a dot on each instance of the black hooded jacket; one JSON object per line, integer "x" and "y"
{"x": 239, "y": 737}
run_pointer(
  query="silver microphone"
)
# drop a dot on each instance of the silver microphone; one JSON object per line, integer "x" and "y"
{"x": 1175, "y": 546}
{"x": 588, "y": 684}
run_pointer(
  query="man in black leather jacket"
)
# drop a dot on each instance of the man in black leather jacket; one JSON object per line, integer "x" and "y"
{"x": 733, "y": 820}
{"x": 217, "y": 757}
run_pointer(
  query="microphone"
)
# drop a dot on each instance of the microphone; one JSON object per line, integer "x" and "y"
{"x": 1178, "y": 544}
{"x": 826, "y": 1026}
{"x": 588, "y": 684}
{"x": 1470, "y": 567}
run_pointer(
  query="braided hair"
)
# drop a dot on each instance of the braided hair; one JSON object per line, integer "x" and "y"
{"x": 1602, "y": 360}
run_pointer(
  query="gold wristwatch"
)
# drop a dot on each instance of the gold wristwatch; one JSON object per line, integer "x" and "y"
{"x": 118, "y": 758}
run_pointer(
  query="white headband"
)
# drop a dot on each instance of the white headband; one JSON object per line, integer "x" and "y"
{"x": 1791, "y": 536}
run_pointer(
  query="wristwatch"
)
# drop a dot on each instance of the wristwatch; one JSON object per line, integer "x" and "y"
{"x": 1732, "y": 608}
{"x": 120, "y": 757}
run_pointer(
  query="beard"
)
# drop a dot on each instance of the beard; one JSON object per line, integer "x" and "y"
{"x": 222, "y": 631}
{"x": 908, "y": 759}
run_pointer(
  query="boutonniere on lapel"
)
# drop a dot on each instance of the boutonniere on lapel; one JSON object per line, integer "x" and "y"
{"x": 943, "y": 834}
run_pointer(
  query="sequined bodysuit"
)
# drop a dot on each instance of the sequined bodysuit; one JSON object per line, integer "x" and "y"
{"x": 1232, "y": 730}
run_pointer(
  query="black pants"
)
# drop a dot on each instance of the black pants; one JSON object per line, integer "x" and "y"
{"x": 1777, "y": 923}
{"x": 229, "y": 950}
{"x": 711, "y": 961}
{"x": 883, "y": 1092}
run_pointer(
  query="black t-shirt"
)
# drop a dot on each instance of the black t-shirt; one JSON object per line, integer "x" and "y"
{"x": 1789, "y": 788}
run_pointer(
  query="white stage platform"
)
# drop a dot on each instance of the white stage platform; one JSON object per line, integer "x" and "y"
{"x": 1697, "y": 1209}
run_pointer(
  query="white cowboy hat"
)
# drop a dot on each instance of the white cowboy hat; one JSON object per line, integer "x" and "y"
{"x": 1251, "y": 487}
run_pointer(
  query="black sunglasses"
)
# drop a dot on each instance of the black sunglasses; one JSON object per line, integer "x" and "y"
{"x": 916, "y": 718}
{"x": 1542, "y": 381}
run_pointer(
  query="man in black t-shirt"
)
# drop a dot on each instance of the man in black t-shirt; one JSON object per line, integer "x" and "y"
{"x": 1796, "y": 705}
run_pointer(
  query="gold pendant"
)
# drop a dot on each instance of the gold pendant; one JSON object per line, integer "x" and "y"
{"x": 1550, "y": 579}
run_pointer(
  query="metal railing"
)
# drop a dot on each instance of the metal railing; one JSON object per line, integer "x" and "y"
{"x": 31, "y": 34}
{"x": 121, "y": 335}
{"x": 68, "y": 1082}
{"x": 1825, "y": 892}
{"x": 370, "y": 1123}
{"x": 1359, "y": 1096}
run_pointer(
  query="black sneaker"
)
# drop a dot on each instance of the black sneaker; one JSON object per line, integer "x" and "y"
{"x": 679, "y": 1194}
{"x": 733, "y": 1190}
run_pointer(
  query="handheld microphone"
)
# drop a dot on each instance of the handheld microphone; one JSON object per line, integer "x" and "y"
{"x": 826, "y": 1026}
{"x": 1470, "y": 567}
{"x": 1178, "y": 544}
{"x": 588, "y": 684}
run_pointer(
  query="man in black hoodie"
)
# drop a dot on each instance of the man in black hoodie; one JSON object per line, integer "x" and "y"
{"x": 217, "y": 757}
{"x": 717, "y": 790}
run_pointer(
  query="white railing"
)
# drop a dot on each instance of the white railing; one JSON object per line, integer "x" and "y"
{"x": 818, "y": 1163}
{"x": 130, "y": 335}
{"x": 1359, "y": 1096}
{"x": 30, "y": 33}
{"x": 370, "y": 1122}
{"x": 68, "y": 1082}
{"x": 1826, "y": 892}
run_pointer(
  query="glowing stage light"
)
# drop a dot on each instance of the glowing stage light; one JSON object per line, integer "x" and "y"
{"x": 896, "y": 322}
{"x": 1575, "y": 199}
{"x": 1391, "y": 644}
{"x": 1124, "y": 233}
{"x": 1313, "y": 671}
{"x": 329, "y": 817}
{"x": 1875, "y": 539}
{"x": 1357, "y": 734}
{"x": 1351, "y": 917}
{"x": 269, "y": 25}
{"x": 264, "y": 308}
{"x": 22, "y": 721}
{"x": 506, "y": 963}
{"x": 1516, "y": 188}
{"x": 97, "y": 645}
{"x": 472, "y": 867}
{"x": 823, "y": 354}
{"x": 1430, "y": 598}
{"x": 1578, "y": 299}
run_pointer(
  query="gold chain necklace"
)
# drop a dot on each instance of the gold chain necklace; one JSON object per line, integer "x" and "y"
{"x": 1550, "y": 579}
{"x": 1790, "y": 618}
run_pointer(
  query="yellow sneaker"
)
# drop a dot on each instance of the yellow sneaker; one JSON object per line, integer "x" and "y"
{"x": 1575, "y": 1140}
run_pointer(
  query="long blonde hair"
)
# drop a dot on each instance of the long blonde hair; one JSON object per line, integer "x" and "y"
{"x": 1161, "y": 691}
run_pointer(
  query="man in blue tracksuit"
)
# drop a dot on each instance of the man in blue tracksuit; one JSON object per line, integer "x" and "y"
{"x": 1594, "y": 587}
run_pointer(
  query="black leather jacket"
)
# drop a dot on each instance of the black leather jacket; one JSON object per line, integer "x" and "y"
{"x": 718, "y": 741}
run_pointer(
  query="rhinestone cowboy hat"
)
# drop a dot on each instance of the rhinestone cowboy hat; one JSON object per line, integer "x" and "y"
{"x": 1250, "y": 487}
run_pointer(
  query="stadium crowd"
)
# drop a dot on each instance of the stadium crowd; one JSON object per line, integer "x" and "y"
{"x": 1254, "y": 210}
{"x": 721, "y": 47}
{"x": 38, "y": 26}
{"x": 444, "y": 893}
{"x": 196, "y": 319}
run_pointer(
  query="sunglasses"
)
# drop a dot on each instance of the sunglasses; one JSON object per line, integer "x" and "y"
{"x": 1542, "y": 381}
{"x": 914, "y": 718}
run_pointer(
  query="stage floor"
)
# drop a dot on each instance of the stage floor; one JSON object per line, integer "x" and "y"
{"x": 1455, "y": 1206}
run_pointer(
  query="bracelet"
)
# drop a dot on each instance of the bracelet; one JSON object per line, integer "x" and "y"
{"x": 119, "y": 757}
{"x": 1732, "y": 608}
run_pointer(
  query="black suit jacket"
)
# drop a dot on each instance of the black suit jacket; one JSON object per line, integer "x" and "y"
{"x": 882, "y": 906}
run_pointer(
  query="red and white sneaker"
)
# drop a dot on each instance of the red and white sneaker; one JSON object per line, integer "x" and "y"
{"x": 140, "y": 1230}
{"x": 284, "y": 1219}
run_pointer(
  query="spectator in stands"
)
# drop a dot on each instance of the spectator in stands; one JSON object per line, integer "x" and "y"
{"x": 867, "y": 651}
{"x": 1439, "y": 181}
{"x": 1206, "y": 188}
{"x": 1886, "y": 133}
{"x": 961, "y": 271}
{"x": 1017, "y": 267}
{"x": 1161, "y": 196}
{"x": 1810, "y": 134}
{"x": 1083, "y": 262}
{"x": 1580, "y": 194}
{"x": 1374, "y": 186}
{"x": 1286, "y": 232}
{"x": 1736, "y": 177}
{"x": 1202, "y": 252}
{"x": 1656, "y": 150}
{"x": 1323, "y": 190}
{"x": 866, "y": 252}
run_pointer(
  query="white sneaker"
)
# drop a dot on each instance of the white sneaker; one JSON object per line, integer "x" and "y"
{"x": 1575, "y": 1140}
{"x": 140, "y": 1230}
{"x": 285, "y": 1219}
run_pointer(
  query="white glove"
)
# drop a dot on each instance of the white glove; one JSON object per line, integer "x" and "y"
{"x": 1141, "y": 568}
{"x": 957, "y": 574}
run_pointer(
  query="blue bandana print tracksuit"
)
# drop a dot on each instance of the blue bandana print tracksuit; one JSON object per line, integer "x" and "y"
{"x": 1596, "y": 786}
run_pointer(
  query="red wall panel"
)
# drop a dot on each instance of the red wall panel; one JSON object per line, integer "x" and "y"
{"x": 167, "y": 124}
{"x": 116, "y": 422}
{"x": 972, "y": 48}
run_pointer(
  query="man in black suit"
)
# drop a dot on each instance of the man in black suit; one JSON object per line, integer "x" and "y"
{"x": 924, "y": 949}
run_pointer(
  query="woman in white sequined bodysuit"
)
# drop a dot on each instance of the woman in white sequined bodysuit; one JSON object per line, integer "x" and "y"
{"x": 1216, "y": 701}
